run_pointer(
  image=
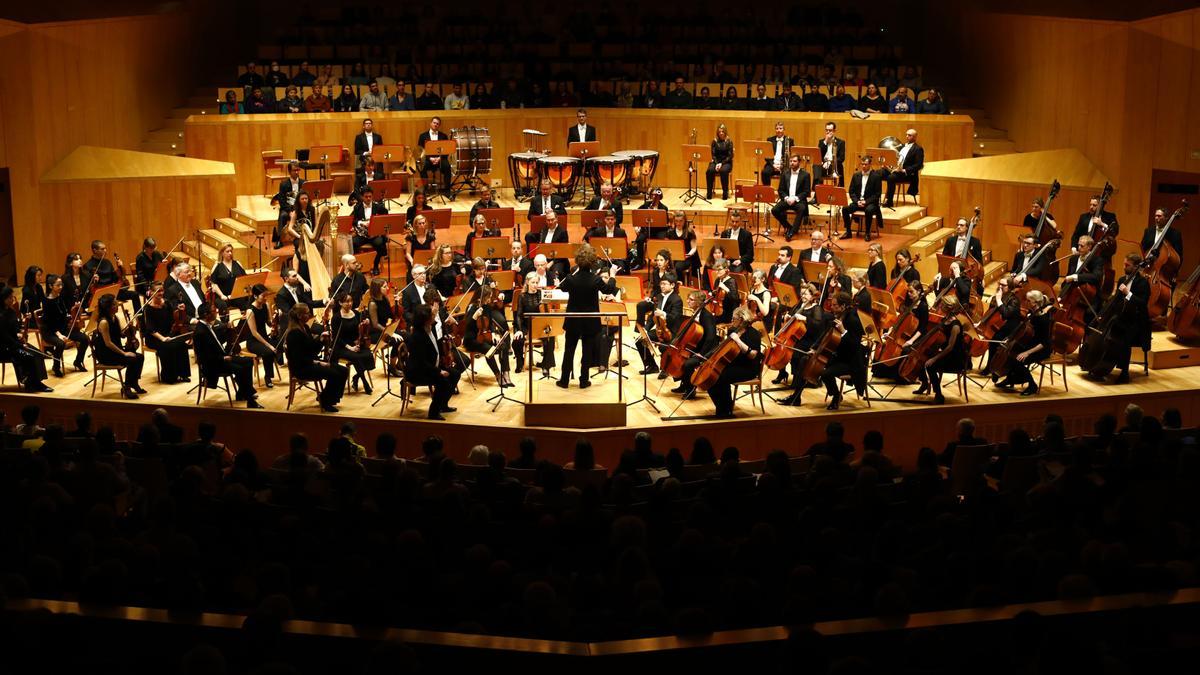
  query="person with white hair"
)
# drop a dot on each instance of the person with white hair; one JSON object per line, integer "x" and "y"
{"x": 412, "y": 296}
{"x": 349, "y": 280}
{"x": 186, "y": 290}
{"x": 1034, "y": 347}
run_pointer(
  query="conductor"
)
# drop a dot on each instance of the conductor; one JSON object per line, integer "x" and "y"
{"x": 583, "y": 286}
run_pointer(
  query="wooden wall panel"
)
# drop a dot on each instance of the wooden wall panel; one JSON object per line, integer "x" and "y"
{"x": 240, "y": 139}
{"x": 124, "y": 212}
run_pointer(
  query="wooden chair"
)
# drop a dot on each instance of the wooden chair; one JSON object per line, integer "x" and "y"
{"x": 1058, "y": 361}
{"x": 753, "y": 386}
{"x": 407, "y": 391}
{"x": 295, "y": 383}
{"x": 274, "y": 170}
{"x": 102, "y": 372}
{"x": 222, "y": 385}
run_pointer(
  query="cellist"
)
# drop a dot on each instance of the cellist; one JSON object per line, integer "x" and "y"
{"x": 707, "y": 343}
{"x": 916, "y": 304}
{"x": 668, "y": 307}
{"x": 1034, "y": 347}
{"x": 745, "y": 366}
{"x": 1008, "y": 305}
{"x": 849, "y": 358}
{"x": 951, "y": 358}
{"x": 814, "y": 318}
{"x": 486, "y": 327}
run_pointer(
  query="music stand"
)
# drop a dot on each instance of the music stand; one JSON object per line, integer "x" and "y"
{"x": 757, "y": 149}
{"x": 98, "y": 293}
{"x": 582, "y": 150}
{"x": 438, "y": 219}
{"x": 610, "y": 248}
{"x": 831, "y": 196}
{"x": 345, "y": 225}
{"x": 654, "y": 221}
{"x": 324, "y": 155}
{"x": 499, "y": 218}
{"x": 491, "y": 248}
{"x": 388, "y": 190}
{"x": 443, "y": 148}
{"x": 672, "y": 246}
{"x": 785, "y": 294}
{"x": 537, "y": 223}
{"x": 380, "y": 345}
{"x": 558, "y": 250}
{"x": 807, "y": 154}
{"x": 758, "y": 195}
{"x": 814, "y": 270}
{"x": 383, "y": 225}
{"x": 694, "y": 156}
{"x": 707, "y": 244}
{"x": 243, "y": 284}
{"x": 320, "y": 191}
{"x": 630, "y": 287}
{"x": 542, "y": 328}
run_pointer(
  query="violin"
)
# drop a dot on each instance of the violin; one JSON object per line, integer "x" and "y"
{"x": 120, "y": 265}
{"x": 364, "y": 334}
{"x": 1184, "y": 319}
{"x": 129, "y": 332}
{"x": 707, "y": 373}
{"x": 1046, "y": 233}
{"x": 786, "y": 339}
{"x": 179, "y": 320}
{"x": 398, "y": 311}
{"x": 1163, "y": 261}
{"x": 483, "y": 325}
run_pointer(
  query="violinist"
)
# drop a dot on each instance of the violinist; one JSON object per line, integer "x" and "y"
{"x": 610, "y": 229}
{"x": 102, "y": 269}
{"x": 1034, "y": 348}
{"x": 145, "y": 265}
{"x": 817, "y": 251}
{"x": 607, "y": 200}
{"x": 1008, "y": 304}
{"x": 849, "y": 359}
{"x": 1086, "y": 269}
{"x": 258, "y": 322}
{"x": 486, "y": 201}
{"x": 760, "y": 302}
{"x": 1088, "y": 222}
{"x": 349, "y": 280}
{"x": 529, "y": 301}
{"x": 294, "y": 292}
{"x": 215, "y": 361}
{"x": 33, "y": 296}
{"x": 185, "y": 291}
{"x": 862, "y": 297}
{"x": 158, "y": 319}
{"x": 783, "y": 271}
{"x": 519, "y": 264}
{"x": 745, "y": 243}
{"x": 479, "y": 279}
{"x": 1024, "y": 265}
{"x": 56, "y": 327}
{"x": 953, "y": 357}
{"x": 745, "y": 366}
{"x": 707, "y": 343}
{"x": 419, "y": 204}
{"x": 961, "y": 284}
{"x": 30, "y": 366}
{"x": 809, "y": 311}
{"x": 876, "y": 269}
{"x": 1157, "y": 233}
{"x": 74, "y": 281}
{"x": 442, "y": 271}
{"x": 479, "y": 230}
{"x": 224, "y": 272}
{"x": 412, "y": 296}
{"x": 836, "y": 279}
{"x": 916, "y": 304}
{"x": 724, "y": 285}
{"x": 608, "y": 333}
{"x": 904, "y": 267}
{"x": 424, "y": 366}
{"x": 364, "y": 210}
{"x": 1133, "y": 327}
{"x": 486, "y": 327}
{"x": 666, "y": 305}
{"x": 583, "y": 286}
{"x": 381, "y": 313}
{"x": 304, "y": 358}
{"x": 420, "y": 239}
{"x": 660, "y": 270}
{"x": 109, "y": 349}
{"x": 679, "y": 229}
{"x": 345, "y": 327}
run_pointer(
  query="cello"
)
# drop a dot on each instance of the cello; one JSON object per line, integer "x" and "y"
{"x": 1046, "y": 233}
{"x": 1164, "y": 262}
{"x": 1096, "y": 354}
{"x": 786, "y": 338}
{"x": 892, "y": 345}
{"x": 1184, "y": 320}
{"x": 822, "y": 353}
{"x": 682, "y": 345}
{"x": 707, "y": 373}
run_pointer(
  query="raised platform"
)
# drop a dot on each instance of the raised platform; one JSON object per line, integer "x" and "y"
{"x": 907, "y": 422}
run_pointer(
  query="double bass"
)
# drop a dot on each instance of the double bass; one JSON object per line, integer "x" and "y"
{"x": 972, "y": 268}
{"x": 1046, "y": 233}
{"x": 1106, "y": 241}
{"x": 1163, "y": 269}
{"x": 1184, "y": 320}
{"x": 1070, "y": 316}
{"x": 1099, "y": 348}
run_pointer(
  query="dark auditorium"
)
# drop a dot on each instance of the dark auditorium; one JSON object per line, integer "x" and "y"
{"x": 812, "y": 338}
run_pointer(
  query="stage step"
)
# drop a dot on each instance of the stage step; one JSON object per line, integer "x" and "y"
{"x": 162, "y": 147}
{"x": 167, "y": 135}
{"x": 1166, "y": 352}
{"x": 235, "y": 228}
{"x": 921, "y": 227}
{"x": 992, "y": 271}
{"x": 207, "y": 255}
{"x": 990, "y": 133}
{"x": 177, "y": 123}
{"x": 217, "y": 239}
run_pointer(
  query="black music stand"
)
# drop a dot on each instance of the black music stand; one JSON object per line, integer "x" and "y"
{"x": 759, "y": 195}
{"x": 694, "y": 156}
{"x": 380, "y": 346}
{"x": 831, "y": 196}
{"x": 443, "y": 148}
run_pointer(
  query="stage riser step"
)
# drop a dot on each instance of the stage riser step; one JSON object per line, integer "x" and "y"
{"x": 236, "y": 229}
{"x": 216, "y": 239}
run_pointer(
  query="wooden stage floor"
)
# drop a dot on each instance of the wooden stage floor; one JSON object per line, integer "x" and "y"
{"x": 900, "y": 416}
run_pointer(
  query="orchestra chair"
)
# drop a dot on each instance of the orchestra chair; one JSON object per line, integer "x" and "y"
{"x": 961, "y": 379}
{"x": 274, "y": 170}
{"x": 295, "y": 383}
{"x": 342, "y": 169}
{"x": 4, "y": 370}
{"x": 147, "y": 349}
{"x": 1058, "y": 361}
{"x": 408, "y": 392}
{"x": 901, "y": 189}
{"x": 753, "y": 386}
{"x": 257, "y": 365}
{"x": 202, "y": 387}
{"x": 104, "y": 372}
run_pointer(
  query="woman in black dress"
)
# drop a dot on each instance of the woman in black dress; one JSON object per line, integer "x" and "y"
{"x": 722, "y": 162}
{"x": 56, "y": 317}
{"x": 952, "y": 358}
{"x": 488, "y": 315}
{"x": 746, "y": 365}
{"x": 30, "y": 366}
{"x": 680, "y": 230}
{"x": 421, "y": 239}
{"x": 876, "y": 270}
{"x": 303, "y": 216}
{"x": 109, "y": 349}
{"x": 529, "y": 301}
{"x": 419, "y": 204}
{"x": 158, "y": 318}
{"x": 442, "y": 272}
{"x": 303, "y": 354}
{"x": 347, "y": 348}
{"x": 915, "y": 303}
{"x": 1035, "y": 347}
{"x": 73, "y": 279}
{"x": 32, "y": 293}
{"x": 258, "y": 318}
{"x": 223, "y": 274}
{"x": 382, "y": 312}
{"x": 904, "y": 267}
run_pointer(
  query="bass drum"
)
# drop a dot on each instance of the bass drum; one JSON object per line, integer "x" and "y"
{"x": 474, "y": 155}
{"x": 642, "y": 165}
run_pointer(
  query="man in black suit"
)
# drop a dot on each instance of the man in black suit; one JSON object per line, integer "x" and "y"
{"x": 215, "y": 362}
{"x": 546, "y": 202}
{"x": 774, "y": 163}
{"x": 413, "y": 295}
{"x": 435, "y": 163}
{"x": 609, "y": 229}
{"x": 293, "y": 293}
{"x": 818, "y": 251}
{"x": 424, "y": 363}
{"x": 581, "y": 132}
{"x": 784, "y": 272}
{"x": 1086, "y": 270}
{"x": 794, "y": 186}
{"x": 289, "y": 192}
{"x": 909, "y": 165}
{"x": 1158, "y": 232}
{"x": 958, "y": 246}
{"x": 364, "y": 210}
{"x": 849, "y": 357}
{"x": 1132, "y": 328}
{"x": 1027, "y": 264}
{"x": 669, "y": 306}
{"x": 583, "y": 287}
{"x": 520, "y": 264}
{"x": 186, "y": 290}
{"x": 365, "y": 141}
{"x": 745, "y": 241}
{"x": 833, "y": 156}
{"x": 708, "y": 324}
{"x": 486, "y": 201}
{"x": 1088, "y": 220}
{"x": 553, "y": 234}
{"x": 866, "y": 187}
{"x": 607, "y": 200}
